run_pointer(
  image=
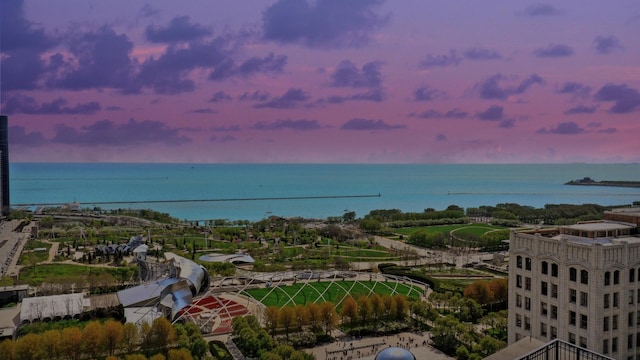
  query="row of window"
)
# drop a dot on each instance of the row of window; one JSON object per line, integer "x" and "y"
{"x": 573, "y": 272}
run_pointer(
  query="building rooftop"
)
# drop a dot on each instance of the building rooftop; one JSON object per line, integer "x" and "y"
{"x": 599, "y": 226}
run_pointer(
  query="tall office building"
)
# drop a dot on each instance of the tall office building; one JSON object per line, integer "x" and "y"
{"x": 5, "y": 204}
{"x": 579, "y": 283}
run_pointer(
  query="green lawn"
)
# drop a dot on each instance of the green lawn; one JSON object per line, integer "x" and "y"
{"x": 317, "y": 292}
{"x": 477, "y": 229}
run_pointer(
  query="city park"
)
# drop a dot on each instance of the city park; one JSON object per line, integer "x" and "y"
{"x": 440, "y": 273}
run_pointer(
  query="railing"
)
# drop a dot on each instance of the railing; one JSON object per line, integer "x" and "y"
{"x": 561, "y": 350}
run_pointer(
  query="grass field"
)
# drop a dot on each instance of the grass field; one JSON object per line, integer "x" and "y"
{"x": 477, "y": 229}
{"x": 318, "y": 292}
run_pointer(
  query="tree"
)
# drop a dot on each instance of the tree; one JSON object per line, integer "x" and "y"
{"x": 329, "y": 316}
{"x": 349, "y": 312}
{"x": 479, "y": 291}
{"x": 377, "y": 307}
{"x": 72, "y": 342}
{"x": 364, "y": 309}
{"x": 92, "y": 338}
{"x": 402, "y": 307}
{"x": 287, "y": 319}
{"x": 130, "y": 337}
{"x": 113, "y": 331}
{"x": 315, "y": 315}
{"x": 302, "y": 316}
{"x": 162, "y": 334}
{"x": 52, "y": 343}
{"x": 28, "y": 347}
{"x": 272, "y": 318}
{"x": 199, "y": 348}
{"x": 444, "y": 334}
{"x": 7, "y": 350}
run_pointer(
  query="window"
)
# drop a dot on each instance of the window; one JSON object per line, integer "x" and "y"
{"x": 584, "y": 321}
{"x": 638, "y": 294}
{"x": 630, "y": 318}
{"x": 519, "y": 300}
{"x": 631, "y": 293}
{"x": 614, "y": 345}
{"x": 554, "y": 270}
{"x": 572, "y": 338}
{"x": 616, "y": 277}
{"x": 527, "y": 264}
{"x": 605, "y": 324}
{"x": 638, "y": 318}
{"x": 543, "y": 329}
{"x": 527, "y": 303}
{"x": 606, "y": 301}
{"x": 615, "y": 300}
{"x": 605, "y": 346}
{"x": 583, "y": 342}
{"x": 637, "y": 339}
{"x": 573, "y": 317}
{"x": 527, "y": 323}
{"x": 614, "y": 322}
{"x": 554, "y": 332}
{"x": 584, "y": 298}
{"x": 573, "y": 274}
{"x": 632, "y": 275}
{"x": 518, "y": 320}
{"x": 584, "y": 277}
{"x": 543, "y": 309}
{"x": 543, "y": 288}
{"x": 519, "y": 281}
{"x": 554, "y": 290}
{"x": 554, "y": 312}
{"x": 630, "y": 341}
{"x": 607, "y": 278}
{"x": 519, "y": 262}
{"x": 572, "y": 296}
{"x": 545, "y": 268}
{"x": 527, "y": 283}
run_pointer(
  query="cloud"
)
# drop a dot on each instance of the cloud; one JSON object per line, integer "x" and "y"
{"x": 563, "y": 128}
{"x": 114, "y": 108}
{"x": 27, "y": 105}
{"x": 553, "y": 51}
{"x": 18, "y": 136}
{"x": 608, "y": 131}
{"x": 220, "y": 96}
{"x": 289, "y": 100}
{"x": 375, "y": 95}
{"x": 493, "y": 113}
{"x": 101, "y": 60}
{"x": 578, "y": 90}
{"x": 626, "y": 99}
{"x": 232, "y": 128}
{"x": 322, "y": 23}
{"x": 268, "y": 64}
{"x": 23, "y": 46}
{"x": 426, "y": 93}
{"x": 254, "y": 96}
{"x": 224, "y": 139}
{"x": 348, "y": 75}
{"x": 606, "y": 44}
{"x": 179, "y": 29}
{"x": 441, "y": 137}
{"x": 369, "y": 125}
{"x": 434, "y": 114}
{"x": 507, "y": 123}
{"x": 202, "y": 111}
{"x": 581, "y": 109}
{"x": 107, "y": 133}
{"x": 452, "y": 59}
{"x": 478, "y": 53}
{"x": 490, "y": 88}
{"x": 297, "y": 125}
{"x": 540, "y": 10}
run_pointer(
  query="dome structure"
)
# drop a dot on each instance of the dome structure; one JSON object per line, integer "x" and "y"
{"x": 395, "y": 353}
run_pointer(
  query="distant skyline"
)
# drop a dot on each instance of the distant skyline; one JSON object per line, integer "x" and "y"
{"x": 322, "y": 81}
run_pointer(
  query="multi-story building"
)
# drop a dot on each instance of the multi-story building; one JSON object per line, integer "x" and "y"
{"x": 579, "y": 283}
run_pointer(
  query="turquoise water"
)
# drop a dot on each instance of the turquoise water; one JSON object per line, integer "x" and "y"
{"x": 408, "y": 187}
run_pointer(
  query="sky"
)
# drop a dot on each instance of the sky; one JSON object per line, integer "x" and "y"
{"x": 321, "y": 81}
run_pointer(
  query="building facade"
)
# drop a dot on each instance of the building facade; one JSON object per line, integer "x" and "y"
{"x": 579, "y": 283}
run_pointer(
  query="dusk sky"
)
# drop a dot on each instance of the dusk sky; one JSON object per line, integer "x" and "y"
{"x": 321, "y": 81}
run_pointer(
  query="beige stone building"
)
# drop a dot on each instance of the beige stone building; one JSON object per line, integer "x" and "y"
{"x": 579, "y": 283}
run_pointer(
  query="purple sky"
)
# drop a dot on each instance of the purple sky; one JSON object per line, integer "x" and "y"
{"x": 359, "y": 81}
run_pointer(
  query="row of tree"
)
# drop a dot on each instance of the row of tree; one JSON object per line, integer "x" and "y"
{"x": 111, "y": 338}
{"x": 254, "y": 341}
